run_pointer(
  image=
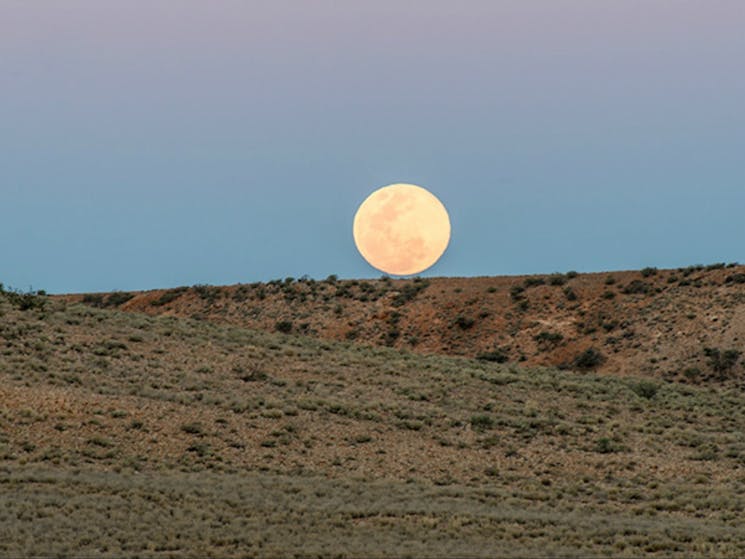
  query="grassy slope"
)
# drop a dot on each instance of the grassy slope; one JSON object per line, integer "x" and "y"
{"x": 655, "y": 323}
{"x": 127, "y": 434}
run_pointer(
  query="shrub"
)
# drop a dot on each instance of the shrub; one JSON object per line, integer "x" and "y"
{"x": 284, "y": 326}
{"x": 192, "y": 428}
{"x": 645, "y": 389}
{"x": 118, "y": 298}
{"x": 637, "y": 287}
{"x": 570, "y": 294}
{"x": 409, "y": 292}
{"x": 588, "y": 359}
{"x": 604, "y": 445}
{"x": 208, "y": 293}
{"x": 534, "y": 281}
{"x": 735, "y": 278}
{"x": 496, "y": 356}
{"x": 516, "y": 292}
{"x": 557, "y": 279}
{"x": 722, "y": 361}
{"x": 550, "y": 337}
{"x": 482, "y": 422}
{"x": 24, "y": 301}
{"x": 464, "y": 322}
{"x": 649, "y": 271}
{"x": 169, "y": 296}
{"x": 572, "y": 274}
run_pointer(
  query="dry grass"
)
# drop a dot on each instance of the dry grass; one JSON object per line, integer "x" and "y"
{"x": 124, "y": 434}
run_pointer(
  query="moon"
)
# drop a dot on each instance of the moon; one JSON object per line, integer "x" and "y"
{"x": 401, "y": 229}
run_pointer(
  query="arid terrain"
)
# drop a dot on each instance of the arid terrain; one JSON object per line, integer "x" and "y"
{"x": 558, "y": 415}
{"x": 650, "y": 322}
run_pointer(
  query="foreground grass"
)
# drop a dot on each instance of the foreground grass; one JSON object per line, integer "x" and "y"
{"x": 125, "y": 434}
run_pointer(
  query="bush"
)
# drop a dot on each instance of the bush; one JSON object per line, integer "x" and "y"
{"x": 570, "y": 294}
{"x": 464, "y": 322}
{"x": 645, "y": 389}
{"x": 534, "y": 281}
{"x": 604, "y": 445}
{"x": 516, "y": 292}
{"x": 284, "y": 326}
{"x": 496, "y": 356}
{"x": 637, "y": 287}
{"x": 118, "y": 298}
{"x": 588, "y": 359}
{"x": 550, "y": 337}
{"x": 23, "y": 301}
{"x": 649, "y": 271}
{"x": 482, "y": 422}
{"x": 409, "y": 292}
{"x": 208, "y": 293}
{"x": 722, "y": 361}
{"x": 169, "y": 296}
{"x": 735, "y": 278}
{"x": 557, "y": 279}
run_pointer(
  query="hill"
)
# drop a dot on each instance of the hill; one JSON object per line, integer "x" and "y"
{"x": 128, "y": 434}
{"x": 673, "y": 324}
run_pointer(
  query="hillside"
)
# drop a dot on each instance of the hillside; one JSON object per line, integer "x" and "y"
{"x": 650, "y": 322}
{"x": 128, "y": 434}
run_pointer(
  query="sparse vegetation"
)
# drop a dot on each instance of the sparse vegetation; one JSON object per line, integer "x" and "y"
{"x": 146, "y": 447}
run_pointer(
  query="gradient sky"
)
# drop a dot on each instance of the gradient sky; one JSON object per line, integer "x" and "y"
{"x": 156, "y": 143}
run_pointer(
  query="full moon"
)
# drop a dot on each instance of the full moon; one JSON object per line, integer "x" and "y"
{"x": 401, "y": 229}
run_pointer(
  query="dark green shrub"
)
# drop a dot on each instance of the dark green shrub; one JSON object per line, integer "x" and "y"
{"x": 516, "y": 292}
{"x": 464, "y": 322}
{"x": 637, "y": 287}
{"x": 722, "y": 360}
{"x": 570, "y": 294}
{"x": 645, "y": 389}
{"x": 24, "y": 301}
{"x": 192, "y": 428}
{"x": 118, "y": 298}
{"x": 209, "y": 293}
{"x": 588, "y": 359}
{"x": 604, "y": 445}
{"x": 735, "y": 278}
{"x": 550, "y": 337}
{"x": 284, "y": 326}
{"x": 649, "y": 271}
{"x": 496, "y": 356}
{"x": 557, "y": 279}
{"x": 482, "y": 422}
{"x": 169, "y": 296}
{"x": 534, "y": 282}
{"x": 409, "y": 292}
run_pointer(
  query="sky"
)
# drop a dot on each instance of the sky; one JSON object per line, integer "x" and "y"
{"x": 158, "y": 143}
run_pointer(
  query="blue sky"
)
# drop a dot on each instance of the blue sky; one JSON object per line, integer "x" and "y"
{"x": 147, "y": 145}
